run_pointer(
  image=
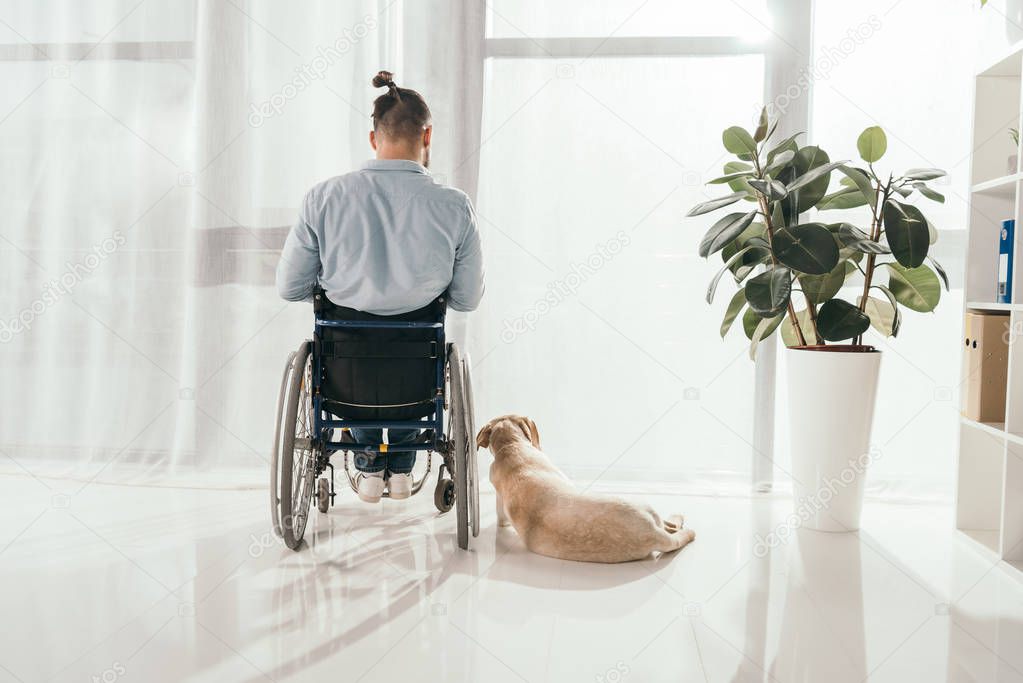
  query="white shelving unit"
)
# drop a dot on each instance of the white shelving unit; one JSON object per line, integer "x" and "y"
{"x": 989, "y": 488}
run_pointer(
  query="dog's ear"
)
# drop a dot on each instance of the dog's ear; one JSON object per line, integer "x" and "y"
{"x": 483, "y": 438}
{"x": 534, "y": 434}
{"x": 528, "y": 428}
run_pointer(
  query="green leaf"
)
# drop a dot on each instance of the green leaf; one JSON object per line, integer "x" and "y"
{"x": 860, "y": 181}
{"x": 819, "y": 288}
{"x": 872, "y": 144}
{"x": 854, "y": 238}
{"x": 882, "y": 315}
{"x": 808, "y": 248}
{"x": 712, "y": 287}
{"x": 932, "y": 232}
{"x": 813, "y": 174}
{"x": 738, "y": 141}
{"x": 780, "y": 162}
{"x": 772, "y": 189}
{"x": 897, "y": 322}
{"x": 724, "y": 231}
{"x": 788, "y": 144}
{"x": 715, "y": 204}
{"x": 924, "y": 174}
{"x": 763, "y": 330}
{"x": 941, "y": 272}
{"x": 730, "y": 177}
{"x": 806, "y": 160}
{"x": 732, "y": 312}
{"x": 788, "y": 330}
{"x": 738, "y": 184}
{"x": 754, "y": 229}
{"x": 838, "y": 319}
{"x": 761, "y": 133}
{"x": 846, "y": 198}
{"x": 915, "y": 288}
{"x": 768, "y": 293}
{"x": 906, "y": 230}
{"x": 929, "y": 193}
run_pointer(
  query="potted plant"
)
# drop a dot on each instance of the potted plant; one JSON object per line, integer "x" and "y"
{"x": 823, "y": 281}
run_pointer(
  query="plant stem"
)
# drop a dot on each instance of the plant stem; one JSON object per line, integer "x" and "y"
{"x": 812, "y": 308}
{"x": 875, "y": 234}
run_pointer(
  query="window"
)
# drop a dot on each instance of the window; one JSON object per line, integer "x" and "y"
{"x": 593, "y": 267}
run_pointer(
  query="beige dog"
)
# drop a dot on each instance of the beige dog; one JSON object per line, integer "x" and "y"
{"x": 555, "y": 519}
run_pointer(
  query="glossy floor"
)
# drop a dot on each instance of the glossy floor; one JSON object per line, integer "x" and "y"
{"x": 148, "y": 584}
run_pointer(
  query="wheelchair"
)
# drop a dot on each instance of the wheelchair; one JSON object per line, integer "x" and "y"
{"x": 373, "y": 372}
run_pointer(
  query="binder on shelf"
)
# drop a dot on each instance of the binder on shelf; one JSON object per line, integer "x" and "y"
{"x": 987, "y": 364}
{"x": 1005, "y": 240}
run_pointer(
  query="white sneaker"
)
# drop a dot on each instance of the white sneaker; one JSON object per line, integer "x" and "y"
{"x": 399, "y": 486}
{"x": 371, "y": 486}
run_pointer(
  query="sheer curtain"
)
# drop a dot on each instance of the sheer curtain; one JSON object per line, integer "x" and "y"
{"x": 155, "y": 156}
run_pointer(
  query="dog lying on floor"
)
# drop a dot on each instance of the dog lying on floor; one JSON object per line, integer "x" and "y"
{"x": 555, "y": 519}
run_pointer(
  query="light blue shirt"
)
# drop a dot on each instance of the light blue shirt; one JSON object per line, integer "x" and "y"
{"x": 385, "y": 239}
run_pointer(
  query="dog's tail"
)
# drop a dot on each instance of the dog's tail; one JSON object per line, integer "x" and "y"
{"x": 673, "y": 536}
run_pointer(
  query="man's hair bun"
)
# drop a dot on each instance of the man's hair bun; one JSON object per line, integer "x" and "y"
{"x": 383, "y": 78}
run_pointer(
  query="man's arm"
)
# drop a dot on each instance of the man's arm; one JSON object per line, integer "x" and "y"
{"x": 299, "y": 264}
{"x": 466, "y": 288}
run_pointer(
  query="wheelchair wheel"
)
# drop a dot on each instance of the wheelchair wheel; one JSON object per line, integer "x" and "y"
{"x": 293, "y": 464}
{"x": 470, "y": 430}
{"x": 444, "y": 494}
{"x": 275, "y": 496}
{"x": 458, "y": 420}
{"x": 322, "y": 494}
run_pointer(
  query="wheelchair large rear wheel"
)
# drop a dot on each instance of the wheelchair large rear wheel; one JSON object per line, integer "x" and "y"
{"x": 293, "y": 466}
{"x": 463, "y": 446}
{"x": 472, "y": 451}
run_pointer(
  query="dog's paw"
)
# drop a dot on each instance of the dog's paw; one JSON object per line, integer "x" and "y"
{"x": 673, "y": 523}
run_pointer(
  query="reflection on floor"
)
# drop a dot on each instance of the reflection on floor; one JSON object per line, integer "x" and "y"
{"x": 145, "y": 584}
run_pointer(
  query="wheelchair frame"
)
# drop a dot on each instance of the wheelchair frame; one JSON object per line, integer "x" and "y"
{"x": 303, "y": 445}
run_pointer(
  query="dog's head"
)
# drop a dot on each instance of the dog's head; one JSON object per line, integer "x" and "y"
{"x": 508, "y": 426}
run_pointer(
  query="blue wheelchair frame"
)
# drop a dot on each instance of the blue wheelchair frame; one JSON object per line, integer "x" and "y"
{"x": 322, "y": 426}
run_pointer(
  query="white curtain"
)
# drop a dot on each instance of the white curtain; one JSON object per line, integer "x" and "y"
{"x": 155, "y": 155}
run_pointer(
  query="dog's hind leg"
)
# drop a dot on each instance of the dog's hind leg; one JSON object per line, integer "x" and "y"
{"x": 670, "y": 542}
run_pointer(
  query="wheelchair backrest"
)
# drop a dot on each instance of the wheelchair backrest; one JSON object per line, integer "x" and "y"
{"x": 372, "y": 370}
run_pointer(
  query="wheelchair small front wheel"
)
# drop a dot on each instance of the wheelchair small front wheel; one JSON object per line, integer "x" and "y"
{"x": 293, "y": 464}
{"x": 322, "y": 494}
{"x": 444, "y": 494}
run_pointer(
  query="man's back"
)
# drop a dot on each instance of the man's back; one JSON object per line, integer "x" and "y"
{"x": 386, "y": 239}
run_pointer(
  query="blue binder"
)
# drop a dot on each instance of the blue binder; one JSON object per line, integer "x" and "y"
{"x": 1005, "y": 240}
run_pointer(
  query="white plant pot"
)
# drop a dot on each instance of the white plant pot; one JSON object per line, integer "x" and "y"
{"x": 831, "y": 411}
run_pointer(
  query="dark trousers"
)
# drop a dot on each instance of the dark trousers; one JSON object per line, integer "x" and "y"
{"x": 395, "y": 463}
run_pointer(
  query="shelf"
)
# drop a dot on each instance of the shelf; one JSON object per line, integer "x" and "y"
{"x": 984, "y": 306}
{"x": 998, "y": 187}
{"x": 993, "y": 428}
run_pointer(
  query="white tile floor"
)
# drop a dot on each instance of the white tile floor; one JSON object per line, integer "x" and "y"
{"x": 107, "y": 583}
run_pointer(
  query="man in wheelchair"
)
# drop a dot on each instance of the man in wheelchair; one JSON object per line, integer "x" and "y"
{"x": 386, "y": 240}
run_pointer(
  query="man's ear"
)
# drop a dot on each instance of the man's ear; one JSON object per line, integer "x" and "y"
{"x": 373, "y": 140}
{"x": 483, "y": 438}
{"x": 427, "y": 136}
